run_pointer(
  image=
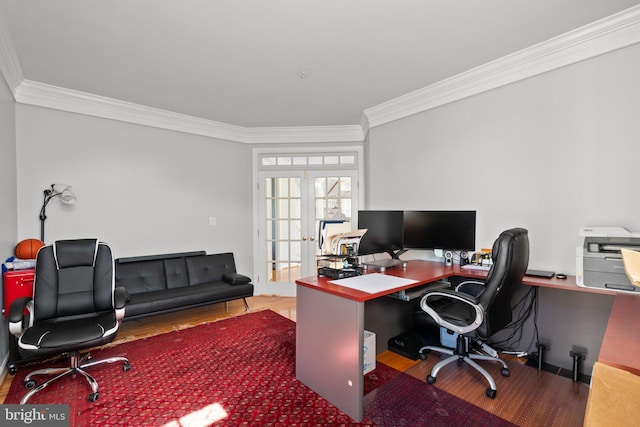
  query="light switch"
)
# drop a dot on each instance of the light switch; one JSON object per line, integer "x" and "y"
{"x": 212, "y": 220}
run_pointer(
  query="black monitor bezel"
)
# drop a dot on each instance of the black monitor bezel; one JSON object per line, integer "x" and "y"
{"x": 391, "y": 240}
{"x": 447, "y": 230}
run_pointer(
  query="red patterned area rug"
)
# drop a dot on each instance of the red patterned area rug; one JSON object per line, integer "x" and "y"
{"x": 237, "y": 372}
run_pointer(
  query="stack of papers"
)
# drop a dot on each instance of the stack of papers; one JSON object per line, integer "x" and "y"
{"x": 631, "y": 261}
{"x": 374, "y": 282}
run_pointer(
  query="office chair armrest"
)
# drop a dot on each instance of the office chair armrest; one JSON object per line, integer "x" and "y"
{"x": 17, "y": 308}
{"x": 120, "y": 297}
{"x": 456, "y": 296}
{"x": 450, "y": 293}
{"x": 16, "y": 314}
{"x": 471, "y": 287}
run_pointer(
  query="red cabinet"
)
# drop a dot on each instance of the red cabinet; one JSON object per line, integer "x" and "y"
{"x": 17, "y": 284}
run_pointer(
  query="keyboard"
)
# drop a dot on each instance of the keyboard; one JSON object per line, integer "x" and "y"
{"x": 475, "y": 267}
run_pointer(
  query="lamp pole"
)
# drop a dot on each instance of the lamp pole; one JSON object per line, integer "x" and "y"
{"x": 43, "y": 216}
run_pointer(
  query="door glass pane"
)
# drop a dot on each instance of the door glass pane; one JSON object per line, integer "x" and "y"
{"x": 333, "y": 187}
{"x": 296, "y": 251}
{"x": 321, "y": 211}
{"x": 282, "y": 187}
{"x": 294, "y": 189}
{"x": 295, "y": 206}
{"x": 283, "y": 208}
{"x": 296, "y": 230}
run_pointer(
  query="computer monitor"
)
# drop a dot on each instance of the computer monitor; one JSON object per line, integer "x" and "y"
{"x": 384, "y": 232}
{"x": 449, "y": 230}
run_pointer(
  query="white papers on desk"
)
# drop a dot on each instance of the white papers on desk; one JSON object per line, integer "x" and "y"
{"x": 374, "y": 282}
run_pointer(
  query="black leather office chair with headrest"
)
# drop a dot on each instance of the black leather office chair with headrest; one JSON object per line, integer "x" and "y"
{"x": 75, "y": 306}
{"x": 484, "y": 314}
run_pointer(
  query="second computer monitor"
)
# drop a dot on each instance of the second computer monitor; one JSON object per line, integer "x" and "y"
{"x": 452, "y": 230}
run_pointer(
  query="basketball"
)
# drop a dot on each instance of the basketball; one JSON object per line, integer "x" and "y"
{"x": 28, "y": 248}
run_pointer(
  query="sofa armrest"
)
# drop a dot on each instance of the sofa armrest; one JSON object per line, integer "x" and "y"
{"x": 236, "y": 278}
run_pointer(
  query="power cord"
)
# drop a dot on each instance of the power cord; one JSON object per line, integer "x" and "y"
{"x": 529, "y": 307}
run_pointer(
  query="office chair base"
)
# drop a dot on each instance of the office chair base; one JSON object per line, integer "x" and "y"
{"x": 77, "y": 366}
{"x": 462, "y": 354}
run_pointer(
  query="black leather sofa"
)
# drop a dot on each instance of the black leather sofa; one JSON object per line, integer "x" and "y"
{"x": 162, "y": 283}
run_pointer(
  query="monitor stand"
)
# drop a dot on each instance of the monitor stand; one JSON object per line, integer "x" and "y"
{"x": 383, "y": 264}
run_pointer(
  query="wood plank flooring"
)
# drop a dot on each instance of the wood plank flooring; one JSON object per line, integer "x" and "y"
{"x": 526, "y": 398}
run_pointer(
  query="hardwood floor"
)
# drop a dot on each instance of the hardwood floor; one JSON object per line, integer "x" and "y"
{"x": 526, "y": 401}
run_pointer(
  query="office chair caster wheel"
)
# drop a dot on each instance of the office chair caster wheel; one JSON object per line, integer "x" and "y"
{"x": 126, "y": 367}
{"x": 505, "y": 372}
{"x": 431, "y": 379}
{"x": 491, "y": 393}
{"x": 29, "y": 384}
{"x": 13, "y": 370}
{"x": 423, "y": 356}
{"x": 93, "y": 397}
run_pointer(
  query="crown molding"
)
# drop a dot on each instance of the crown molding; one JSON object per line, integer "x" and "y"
{"x": 9, "y": 63}
{"x": 614, "y": 32}
{"x": 606, "y": 35}
{"x": 43, "y": 95}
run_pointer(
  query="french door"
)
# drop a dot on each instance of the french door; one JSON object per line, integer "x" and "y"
{"x": 291, "y": 204}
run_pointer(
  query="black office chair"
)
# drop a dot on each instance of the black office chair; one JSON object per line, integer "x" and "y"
{"x": 481, "y": 316}
{"x": 75, "y": 306}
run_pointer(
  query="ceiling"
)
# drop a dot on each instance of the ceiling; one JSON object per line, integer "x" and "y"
{"x": 276, "y": 63}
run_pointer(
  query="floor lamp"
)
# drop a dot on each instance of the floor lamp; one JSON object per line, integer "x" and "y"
{"x": 65, "y": 194}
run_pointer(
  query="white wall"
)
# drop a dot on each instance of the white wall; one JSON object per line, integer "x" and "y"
{"x": 8, "y": 194}
{"x": 141, "y": 189}
{"x": 552, "y": 153}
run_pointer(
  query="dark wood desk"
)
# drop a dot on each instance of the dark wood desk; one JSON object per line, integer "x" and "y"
{"x": 330, "y": 325}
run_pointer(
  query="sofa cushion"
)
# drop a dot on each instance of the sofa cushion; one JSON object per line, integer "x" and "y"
{"x": 207, "y": 293}
{"x": 209, "y": 268}
{"x": 139, "y": 277}
{"x": 176, "y": 273}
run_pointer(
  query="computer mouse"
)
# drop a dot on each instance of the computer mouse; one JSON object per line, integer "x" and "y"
{"x": 561, "y": 276}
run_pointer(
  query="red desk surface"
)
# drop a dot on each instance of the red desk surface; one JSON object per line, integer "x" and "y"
{"x": 422, "y": 271}
{"x": 431, "y": 271}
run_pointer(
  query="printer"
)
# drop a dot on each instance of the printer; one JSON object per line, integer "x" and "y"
{"x": 599, "y": 260}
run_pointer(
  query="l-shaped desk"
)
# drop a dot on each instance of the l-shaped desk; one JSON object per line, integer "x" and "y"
{"x": 331, "y": 320}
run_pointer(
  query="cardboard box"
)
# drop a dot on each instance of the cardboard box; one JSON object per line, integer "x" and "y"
{"x": 369, "y": 350}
